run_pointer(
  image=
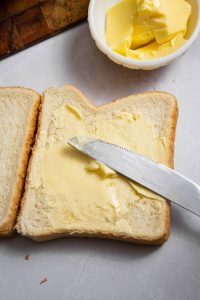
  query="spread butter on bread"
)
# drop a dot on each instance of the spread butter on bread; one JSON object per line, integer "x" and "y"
{"x": 69, "y": 194}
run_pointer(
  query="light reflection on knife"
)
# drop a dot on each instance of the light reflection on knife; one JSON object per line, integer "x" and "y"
{"x": 156, "y": 177}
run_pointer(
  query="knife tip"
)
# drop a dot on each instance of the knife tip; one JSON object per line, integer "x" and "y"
{"x": 74, "y": 142}
{"x": 79, "y": 142}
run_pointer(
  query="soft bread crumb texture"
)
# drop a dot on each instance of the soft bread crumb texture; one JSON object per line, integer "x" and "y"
{"x": 144, "y": 123}
{"x": 18, "y": 118}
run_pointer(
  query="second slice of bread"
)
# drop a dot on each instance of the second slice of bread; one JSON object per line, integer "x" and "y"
{"x": 18, "y": 119}
{"x": 146, "y": 219}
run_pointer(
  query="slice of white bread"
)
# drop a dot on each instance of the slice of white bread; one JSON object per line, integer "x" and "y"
{"x": 18, "y": 119}
{"x": 145, "y": 123}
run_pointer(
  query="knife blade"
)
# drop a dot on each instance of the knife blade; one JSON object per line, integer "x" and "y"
{"x": 155, "y": 176}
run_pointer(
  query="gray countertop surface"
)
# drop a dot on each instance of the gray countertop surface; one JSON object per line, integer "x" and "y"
{"x": 87, "y": 269}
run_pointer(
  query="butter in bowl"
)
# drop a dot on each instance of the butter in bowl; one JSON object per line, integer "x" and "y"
{"x": 144, "y": 34}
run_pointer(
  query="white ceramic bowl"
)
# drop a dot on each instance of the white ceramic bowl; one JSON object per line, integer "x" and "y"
{"x": 97, "y": 17}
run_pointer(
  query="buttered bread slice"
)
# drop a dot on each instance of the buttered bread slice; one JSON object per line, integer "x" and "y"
{"x": 68, "y": 193}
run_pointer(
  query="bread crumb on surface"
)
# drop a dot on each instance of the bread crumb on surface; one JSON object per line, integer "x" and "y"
{"x": 26, "y": 257}
{"x": 43, "y": 280}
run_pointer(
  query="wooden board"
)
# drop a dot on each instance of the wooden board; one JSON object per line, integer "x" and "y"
{"x": 25, "y": 22}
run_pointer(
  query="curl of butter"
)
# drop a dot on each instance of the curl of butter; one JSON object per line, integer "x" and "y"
{"x": 74, "y": 110}
{"x": 102, "y": 170}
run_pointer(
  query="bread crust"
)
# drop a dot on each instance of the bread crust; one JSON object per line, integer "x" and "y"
{"x": 44, "y": 236}
{"x": 174, "y": 119}
{"x": 7, "y": 228}
{"x": 105, "y": 235}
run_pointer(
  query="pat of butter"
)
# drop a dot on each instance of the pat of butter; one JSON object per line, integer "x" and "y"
{"x": 79, "y": 189}
{"x": 143, "y": 25}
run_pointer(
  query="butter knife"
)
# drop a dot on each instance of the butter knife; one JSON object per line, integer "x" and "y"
{"x": 155, "y": 176}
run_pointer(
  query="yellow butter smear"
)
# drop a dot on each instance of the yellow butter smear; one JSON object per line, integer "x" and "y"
{"x": 147, "y": 29}
{"x": 80, "y": 190}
